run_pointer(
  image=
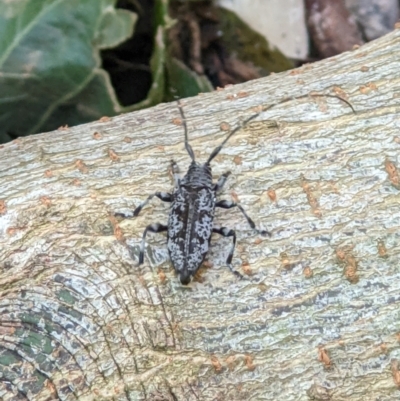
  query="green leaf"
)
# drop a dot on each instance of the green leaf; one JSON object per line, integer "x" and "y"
{"x": 183, "y": 82}
{"x": 49, "y": 62}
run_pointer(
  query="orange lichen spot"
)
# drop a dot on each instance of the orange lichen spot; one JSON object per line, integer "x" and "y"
{"x": 296, "y": 71}
{"x": 394, "y": 366}
{"x": 235, "y": 197}
{"x": 63, "y": 128}
{"x": 364, "y": 68}
{"x": 238, "y": 160}
{"x": 364, "y": 89}
{"x": 307, "y": 271}
{"x": 340, "y": 92}
{"x": 382, "y": 251}
{"x": 230, "y": 362}
{"x": 323, "y": 357}
{"x": 50, "y": 386}
{"x": 393, "y": 173}
{"x": 117, "y": 229}
{"x": 340, "y": 254}
{"x": 112, "y": 155}
{"x": 176, "y": 121}
{"x": 104, "y": 119}
{"x": 81, "y": 166}
{"x": 8, "y": 330}
{"x": 118, "y": 233}
{"x": 208, "y": 264}
{"x": 224, "y": 126}
{"x": 237, "y": 95}
{"x": 3, "y": 207}
{"x": 48, "y": 173}
{"x": 257, "y": 241}
{"x": 248, "y": 360}
{"x": 384, "y": 349}
{"x": 285, "y": 262}
{"x": 242, "y": 94}
{"x": 97, "y": 135}
{"x": 360, "y": 55}
{"x": 317, "y": 212}
{"x": 311, "y": 198}
{"x": 345, "y": 256}
{"x": 271, "y": 194}
{"x": 127, "y": 139}
{"x": 246, "y": 268}
{"x": 355, "y": 47}
{"x": 76, "y": 182}
{"x": 198, "y": 276}
{"x": 161, "y": 275}
{"x": 257, "y": 109}
{"x": 13, "y": 230}
{"x": 45, "y": 200}
{"x": 216, "y": 363}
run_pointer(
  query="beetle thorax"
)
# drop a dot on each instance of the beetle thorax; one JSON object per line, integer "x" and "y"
{"x": 198, "y": 175}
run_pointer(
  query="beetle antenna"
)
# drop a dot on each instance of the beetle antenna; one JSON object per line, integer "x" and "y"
{"x": 187, "y": 145}
{"x": 218, "y": 148}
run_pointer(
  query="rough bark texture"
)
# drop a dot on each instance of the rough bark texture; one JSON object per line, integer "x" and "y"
{"x": 318, "y": 312}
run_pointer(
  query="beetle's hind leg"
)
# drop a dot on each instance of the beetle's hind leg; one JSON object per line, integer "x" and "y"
{"x": 154, "y": 228}
{"x": 227, "y": 232}
{"x": 164, "y": 196}
{"x": 225, "y": 204}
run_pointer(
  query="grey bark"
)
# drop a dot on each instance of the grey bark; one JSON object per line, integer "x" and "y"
{"x": 79, "y": 319}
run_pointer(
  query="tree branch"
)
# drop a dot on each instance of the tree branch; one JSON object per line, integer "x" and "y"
{"x": 317, "y": 314}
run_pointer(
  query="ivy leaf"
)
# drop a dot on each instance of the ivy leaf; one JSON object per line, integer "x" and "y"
{"x": 50, "y": 71}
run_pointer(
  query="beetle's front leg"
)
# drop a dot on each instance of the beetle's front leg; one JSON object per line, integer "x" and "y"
{"x": 225, "y": 204}
{"x": 227, "y": 232}
{"x": 154, "y": 228}
{"x": 221, "y": 181}
{"x": 164, "y": 196}
{"x": 175, "y": 173}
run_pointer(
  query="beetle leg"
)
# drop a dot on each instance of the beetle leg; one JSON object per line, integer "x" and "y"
{"x": 175, "y": 173}
{"x": 221, "y": 181}
{"x": 225, "y": 204}
{"x": 154, "y": 228}
{"x": 227, "y": 232}
{"x": 164, "y": 196}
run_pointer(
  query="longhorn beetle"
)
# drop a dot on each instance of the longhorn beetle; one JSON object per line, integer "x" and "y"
{"x": 193, "y": 202}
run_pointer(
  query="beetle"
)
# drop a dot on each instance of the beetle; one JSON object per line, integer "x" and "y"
{"x": 191, "y": 215}
{"x": 193, "y": 203}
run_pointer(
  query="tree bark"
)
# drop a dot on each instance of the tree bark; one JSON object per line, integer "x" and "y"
{"x": 317, "y": 314}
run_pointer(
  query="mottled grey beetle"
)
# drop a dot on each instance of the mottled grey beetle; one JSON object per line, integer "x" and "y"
{"x": 190, "y": 222}
{"x": 193, "y": 202}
